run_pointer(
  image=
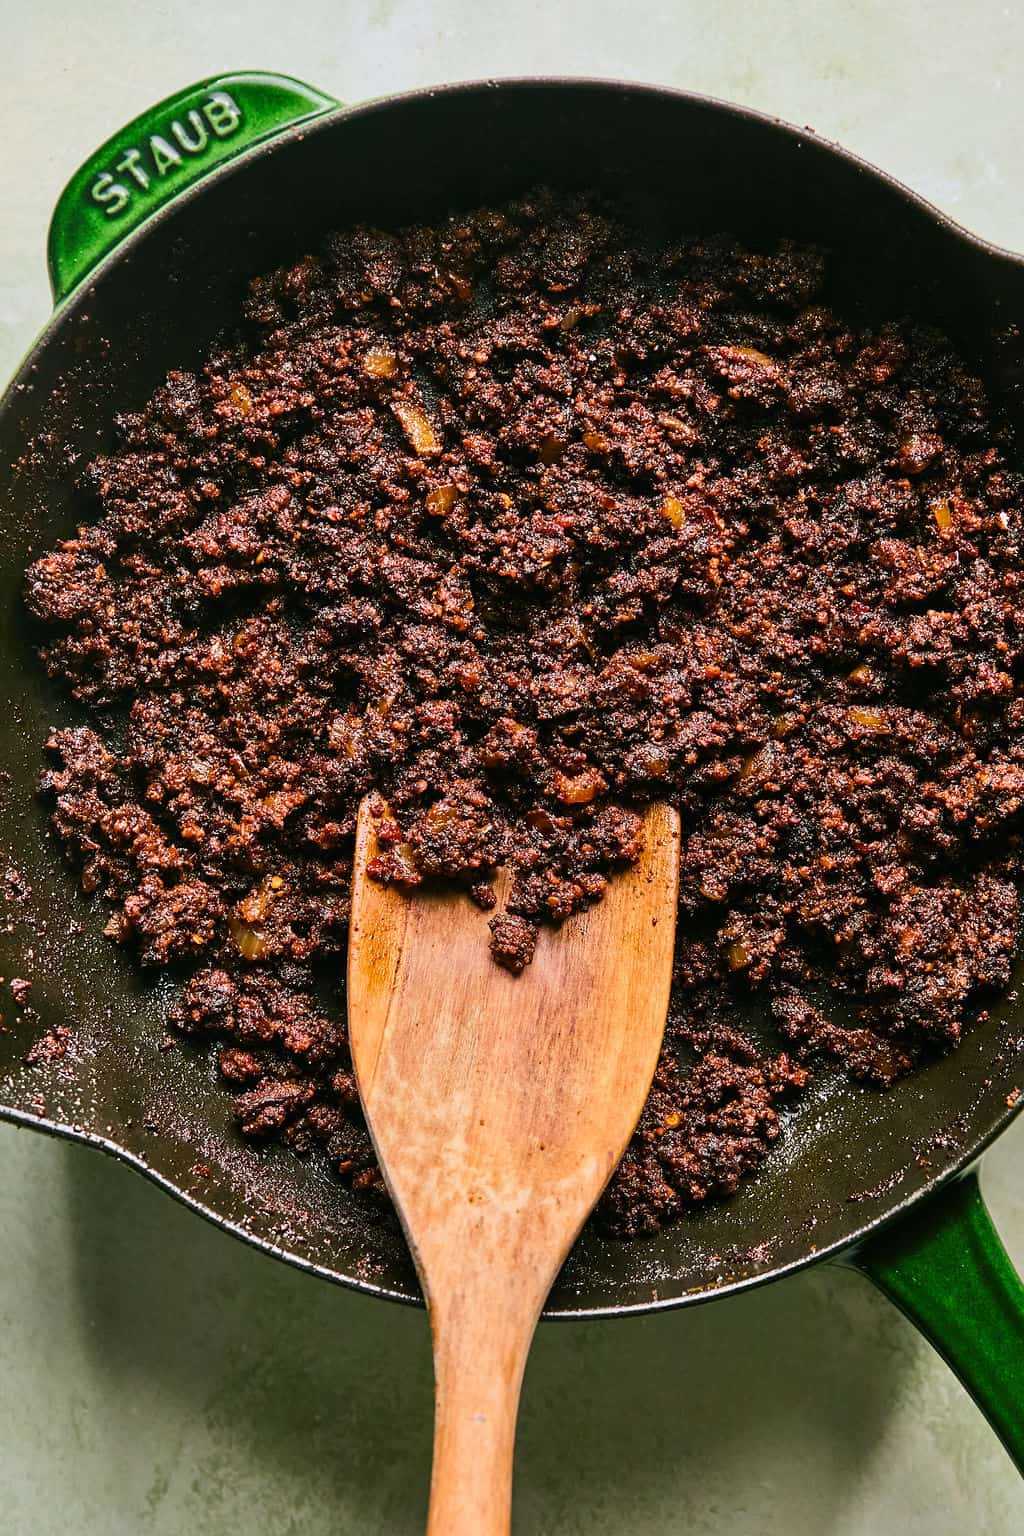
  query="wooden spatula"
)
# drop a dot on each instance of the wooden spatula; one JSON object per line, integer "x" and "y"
{"x": 499, "y": 1106}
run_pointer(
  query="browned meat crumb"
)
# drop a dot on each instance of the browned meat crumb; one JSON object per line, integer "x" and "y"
{"x": 699, "y": 1134}
{"x": 513, "y": 941}
{"x": 20, "y": 989}
{"x": 525, "y": 520}
{"x": 50, "y": 1046}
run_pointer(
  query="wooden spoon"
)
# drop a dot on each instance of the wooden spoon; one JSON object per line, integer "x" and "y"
{"x": 499, "y": 1106}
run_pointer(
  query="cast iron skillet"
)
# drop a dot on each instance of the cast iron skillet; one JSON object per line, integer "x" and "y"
{"x": 883, "y": 1181}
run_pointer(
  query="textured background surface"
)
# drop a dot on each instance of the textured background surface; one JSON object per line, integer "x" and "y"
{"x": 160, "y": 1378}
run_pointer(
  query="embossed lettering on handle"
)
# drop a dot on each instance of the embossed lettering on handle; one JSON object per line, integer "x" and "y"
{"x": 162, "y": 152}
{"x": 143, "y": 165}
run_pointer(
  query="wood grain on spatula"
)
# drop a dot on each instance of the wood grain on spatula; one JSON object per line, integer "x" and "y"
{"x": 499, "y": 1106}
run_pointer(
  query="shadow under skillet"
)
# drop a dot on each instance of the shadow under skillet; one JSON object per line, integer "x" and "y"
{"x": 235, "y": 1386}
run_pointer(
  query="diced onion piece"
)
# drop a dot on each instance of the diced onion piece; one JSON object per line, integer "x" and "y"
{"x": 943, "y": 515}
{"x": 672, "y": 510}
{"x": 541, "y": 820}
{"x": 380, "y": 364}
{"x": 737, "y": 956}
{"x": 252, "y": 909}
{"x": 917, "y": 451}
{"x": 404, "y": 864}
{"x": 751, "y": 355}
{"x": 241, "y": 399}
{"x": 551, "y": 449}
{"x": 418, "y": 427}
{"x": 655, "y": 762}
{"x": 861, "y": 675}
{"x": 758, "y": 763}
{"x": 871, "y": 719}
{"x": 680, "y": 431}
{"x": 442, "y": 814}
{"x": 441, "y": 500}
{"x": 250, "y": 941}
{"x": 579, "y": 789}
{"x": 575, "y": 313}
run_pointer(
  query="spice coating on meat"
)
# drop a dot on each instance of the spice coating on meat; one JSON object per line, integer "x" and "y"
{"x": 526, "y": 521}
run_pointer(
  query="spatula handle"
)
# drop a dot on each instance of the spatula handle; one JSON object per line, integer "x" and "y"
{"x": 480, "y": 1350}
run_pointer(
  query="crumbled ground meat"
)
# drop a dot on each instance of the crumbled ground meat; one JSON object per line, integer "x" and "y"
{"x": 525, "y": 521}
{"x": 512, "y": 941}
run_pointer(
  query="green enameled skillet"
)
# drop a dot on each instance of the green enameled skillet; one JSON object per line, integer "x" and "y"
{"x": 150, "y": 249}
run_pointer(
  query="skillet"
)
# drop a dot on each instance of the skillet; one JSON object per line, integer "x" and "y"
{"x": 150, "y": 248}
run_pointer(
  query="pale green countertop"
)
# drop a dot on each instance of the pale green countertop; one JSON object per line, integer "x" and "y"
{"x": 160, "y": 1378}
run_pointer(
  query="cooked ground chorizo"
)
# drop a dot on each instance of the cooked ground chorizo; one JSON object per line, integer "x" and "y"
{"x": 525, "y": 520}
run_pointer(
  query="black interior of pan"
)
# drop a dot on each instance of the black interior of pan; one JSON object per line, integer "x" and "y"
{"x": 850, "y": 1156}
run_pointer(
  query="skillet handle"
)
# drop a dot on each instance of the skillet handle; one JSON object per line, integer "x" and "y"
{"x": 161, "y": 153}
{"x": 945, "y": 1267}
